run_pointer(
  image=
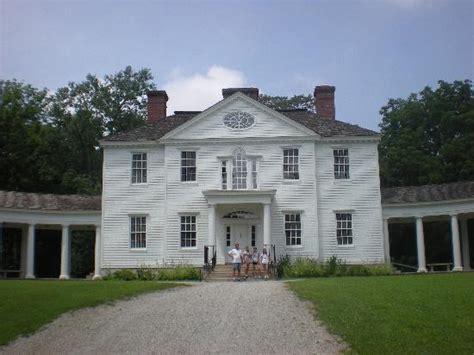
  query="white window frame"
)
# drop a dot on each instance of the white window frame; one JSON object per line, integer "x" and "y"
{"x": 252, "y": 176}
{"x": 344, "y": 229}
{"x": 295, "y": 166}
{"x": 293, "y": 231}
{"x": 132, "y": 230}
{"x": 228, "y": 235}
{"x": 190, "y": 230}
{"x": 142, "y": 171}
{"x": 341, "y": 168}
{"x": 181, "y": 166}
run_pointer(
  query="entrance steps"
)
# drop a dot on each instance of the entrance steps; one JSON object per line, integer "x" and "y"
{"x": 223, "y": 273}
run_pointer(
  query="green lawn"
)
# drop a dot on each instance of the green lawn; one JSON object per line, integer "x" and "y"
{"x": 418, "y": 314}
{"x": 25, "y": 306}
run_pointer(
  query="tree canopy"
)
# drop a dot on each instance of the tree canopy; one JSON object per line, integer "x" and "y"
{"x": 50, "y": 143}
{"x": 288, "y": 103}
{"x": 428, "y": 138}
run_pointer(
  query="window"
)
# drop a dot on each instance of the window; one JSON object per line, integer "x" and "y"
{"x": 254, "y": 236}
{"x": 290, "y": 164}
{"x": 188, "y": 166}
{"x": 341, "y": 163}
{"x": 344, "y": 228}
{"x": 188, "y": 231}
{"x": 239, "y": 120}
{"x": 227, "y": 236}
{"x": 293, "y": 228}
{"x": 138, "y": 232}
{"x": 138, "y": 168}
{"x": 239, "y": 170}
{"x": 224, "y": 174}
{"x": 254, "y": 174}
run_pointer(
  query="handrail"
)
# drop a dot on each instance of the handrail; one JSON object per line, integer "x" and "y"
{"x": 273, "y": 263}
{"x": 210, "y": 256}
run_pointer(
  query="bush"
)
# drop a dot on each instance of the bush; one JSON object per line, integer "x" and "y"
{"x": 179, "y": 273}
{"x": 123, "y": 275}
{"x": 308, "y": 267}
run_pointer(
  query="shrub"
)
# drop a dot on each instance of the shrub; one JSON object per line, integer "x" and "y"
{"x": 124, "y": 275}
{"x": 178, "y": 273}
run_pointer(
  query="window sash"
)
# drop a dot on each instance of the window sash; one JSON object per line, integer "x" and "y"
{"x": 254, "y": 236}
{"x": 188, "y": 166}
{"x": 293, "y": 228}
{"x": 227, "y": 236}
{"x": 344, "y": 230}
{"x": 239, "y": 172}
{"x": 341, "y": 163}
{"x": 188, "y": 231}
{"x": 291, "y": 164}
{"x": 139, "y": 168}
{"x": 138, "y": 232}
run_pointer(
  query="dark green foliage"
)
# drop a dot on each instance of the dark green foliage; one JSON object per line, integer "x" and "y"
{"x": 50, "y": 143}
{"x": 308, "y": 267}
{"x": 288, "y": 103}
{"x": 428, "y": 138}
{"x": 145, "y": 273}
{"x": 416, "y": 314}
{"x": 122, "y": 275}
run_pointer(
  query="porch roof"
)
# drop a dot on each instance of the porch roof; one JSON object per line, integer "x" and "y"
{"x": 239, "y": 196}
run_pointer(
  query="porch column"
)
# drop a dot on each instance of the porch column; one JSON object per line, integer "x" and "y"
{"x": 267, "y": 222}
{"x": 466, "y": 257}
{"x": 65, "y": 253}
{"x": 30, "y": 253}
{"x": 420, "y": 245}
{"x": 386, "y": 240}
{"x": 456, "y": 244}
{"x": 212, "y": 224}
{"x": 97, "y": 275}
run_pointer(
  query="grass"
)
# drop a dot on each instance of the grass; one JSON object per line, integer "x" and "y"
{"x": 419, "y": 314}
{"x": 26, "y": 306}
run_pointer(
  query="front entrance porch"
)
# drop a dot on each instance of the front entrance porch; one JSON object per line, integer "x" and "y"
{"x": 239, "y": 216}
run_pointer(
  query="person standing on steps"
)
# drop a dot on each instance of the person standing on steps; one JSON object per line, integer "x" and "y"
{"x": 246, "y": 261}
{"x": 264, "y": 260}
{"x": 236, "y": 255}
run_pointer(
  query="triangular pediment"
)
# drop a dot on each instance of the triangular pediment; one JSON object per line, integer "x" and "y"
{"x": 237, "y": 117}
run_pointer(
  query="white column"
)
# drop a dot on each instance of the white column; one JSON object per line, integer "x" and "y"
{"x": 65, "y": 253}
{"x": 30, "y": 253}
{"x": 386, "y": 240}
{"x": 97, "y": 275}
{"x": 466, "y": 257}
{"x": 420, "y": 245}
{"x": 267, "y": 222}
{"x": 212, "y": 225}
{"x": 456, "y": 243}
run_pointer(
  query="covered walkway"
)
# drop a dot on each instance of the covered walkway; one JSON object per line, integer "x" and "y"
{"x": 31, "y": 213}
{"x": 418, "y": 205}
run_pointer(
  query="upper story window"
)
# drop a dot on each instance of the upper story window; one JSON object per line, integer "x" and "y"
{"x": 241, "y": 169}
{"x": 188, "y": 166}
{"x": 291, "y": 164}
{"x": 344, "y": 228}
{"x": 239, "y": 120}
{"x": 341, "y": 163}
{"x": 138, "y": 232}
{"x": 139, "y": 168}
{"x": 293, "y": 228}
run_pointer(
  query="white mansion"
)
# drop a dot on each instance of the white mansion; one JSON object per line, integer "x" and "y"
{"x": 298, "y": 182}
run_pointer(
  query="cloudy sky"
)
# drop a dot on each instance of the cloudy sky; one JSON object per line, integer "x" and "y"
{"x": 371, "y": 50}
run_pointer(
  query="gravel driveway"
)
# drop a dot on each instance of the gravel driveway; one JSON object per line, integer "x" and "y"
{"x": 254, "y": 317}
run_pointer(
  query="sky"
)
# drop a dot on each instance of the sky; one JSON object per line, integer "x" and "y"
{"x": 371, "y": 50}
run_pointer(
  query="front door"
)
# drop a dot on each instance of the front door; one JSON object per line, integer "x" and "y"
{"x": 240, "y": 234}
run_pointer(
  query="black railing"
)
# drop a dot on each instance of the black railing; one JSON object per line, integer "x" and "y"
{"x": 210, "y": 256}
{"x": 273, "y": 261}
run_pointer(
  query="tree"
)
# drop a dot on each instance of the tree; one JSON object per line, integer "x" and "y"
{"x": 428, "y": 138}
{"x": 288, "y": 103}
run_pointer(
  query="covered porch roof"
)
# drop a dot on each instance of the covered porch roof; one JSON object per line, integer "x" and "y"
{"x": 239, "y": 196}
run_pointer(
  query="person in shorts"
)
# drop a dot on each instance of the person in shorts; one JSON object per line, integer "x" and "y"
{"x": 255, "y": 259}
{"x": 246, "y": 261}
{"x": 236, "y": 255}
{"x": 264, "y": 260}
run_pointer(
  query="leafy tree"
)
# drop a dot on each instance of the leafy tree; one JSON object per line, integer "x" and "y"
{"x": 428, "y": 138}
{"x": 288, "y": 103}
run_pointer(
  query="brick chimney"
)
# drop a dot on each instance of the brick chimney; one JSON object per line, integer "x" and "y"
{"x": 324, "y": 101}
{"x": 156, "y": 105}
{"x": 251, "y": 92}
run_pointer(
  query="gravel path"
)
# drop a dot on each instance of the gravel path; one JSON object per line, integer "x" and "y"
{"x": 253, "y": 317}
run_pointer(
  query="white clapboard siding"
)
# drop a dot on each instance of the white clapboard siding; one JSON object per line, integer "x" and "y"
{"x": 266, "y": 125}
{"x": 359, "y": 195}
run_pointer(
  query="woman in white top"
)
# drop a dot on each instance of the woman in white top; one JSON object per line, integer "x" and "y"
{"x": 264, "y": 260}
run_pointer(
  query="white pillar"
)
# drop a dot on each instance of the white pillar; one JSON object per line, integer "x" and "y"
{"x": 267, "y": 222}
{"x": 386, "y": 240}
{"x": 420, "y": 245}
{"x": 466, "y": 257}
{"x": 65, "y": 253}
{"x": 456, "y": 243}
{"x": 97, "y": 275}
{"x": 212, "y": 225}
{"x": 30, "y": 253}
